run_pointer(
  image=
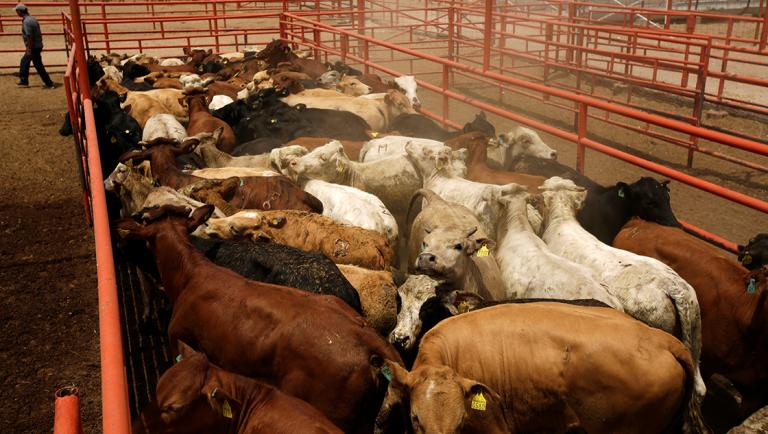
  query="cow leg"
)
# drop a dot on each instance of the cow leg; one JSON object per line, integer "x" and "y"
{"x": 393, "y": 399}
{"x": 147, "y": 287}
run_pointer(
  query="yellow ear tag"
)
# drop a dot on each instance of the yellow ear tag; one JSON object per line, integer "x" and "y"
{"x": 123, "y": 232}
{"x": 226, "y": 410}
{"x": 122, "y": 191}
{"x": 439, "y": 165}
{"x": 275, "y": 222}
{"x": 464, "y": 307}
{"x": 479, "y": 402}
{"x": 484, "y": 251}
{"x": 374, "y": 134}
{"x": 113, "y": 139}
{"x": 339, "y": 166}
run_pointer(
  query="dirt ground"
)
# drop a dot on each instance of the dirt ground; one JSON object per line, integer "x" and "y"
{"x": 48, "y": 312}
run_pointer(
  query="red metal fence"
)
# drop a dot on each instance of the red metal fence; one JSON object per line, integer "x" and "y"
{"x": 431, "y": 43}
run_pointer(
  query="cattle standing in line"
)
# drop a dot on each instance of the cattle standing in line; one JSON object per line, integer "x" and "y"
{"x": 313, "y": 347}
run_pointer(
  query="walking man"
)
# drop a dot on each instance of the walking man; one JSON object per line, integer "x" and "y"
{"x": 33, "y": 43}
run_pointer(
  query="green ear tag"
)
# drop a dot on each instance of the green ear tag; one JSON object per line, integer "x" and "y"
{"x": 484, "y": 251}
{"x": 747, "y": 259}
{"x": 113, "y": 139}
{"x": 226, "y": 410}
{"x": 479, "y": 402}
{"x": 751, "y": 287}
{"x": 179, "y": 358}
{"x": 386, "y": 372}
{"x": 621, "y": 192}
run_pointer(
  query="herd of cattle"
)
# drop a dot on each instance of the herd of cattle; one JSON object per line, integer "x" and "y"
{"x": 337, "y": 262}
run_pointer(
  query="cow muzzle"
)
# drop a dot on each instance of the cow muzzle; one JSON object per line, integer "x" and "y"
{"x": 426, "y": 261}
{"x": 401, "y": 342}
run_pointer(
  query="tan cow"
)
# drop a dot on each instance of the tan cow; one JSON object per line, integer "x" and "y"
{"x": 546, "y": 367}
{"x": 378, "y": 292}
{"x": 343, "y": 244}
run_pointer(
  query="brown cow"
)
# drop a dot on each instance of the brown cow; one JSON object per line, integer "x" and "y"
{"x": 733, "y": 302}
{"x": 378, "y": 296}
{"x": 342, "y": 243}
{"x": 351, "y": 147}
{"x": 202, "y": 121}
{"x": 253, "y": 192}
{"x": 313, "y": 347}
{"x": 290, "y": 81}
{"x": 547, "y": 368}
{"x": 222, "y": 88}
{"x": 196, "y": 396}
{"x": 477, "y": 167}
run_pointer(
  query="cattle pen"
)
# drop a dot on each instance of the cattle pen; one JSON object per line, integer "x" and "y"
{"x": 641, "y": 95}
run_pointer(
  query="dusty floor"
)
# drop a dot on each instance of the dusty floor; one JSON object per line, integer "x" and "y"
{"x": 48, "y": 312}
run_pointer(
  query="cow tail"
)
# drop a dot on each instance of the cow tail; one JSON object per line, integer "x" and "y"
{"x": 693, "y": 421}
{"x": 429, "y": 195}
{"x": 689, "y": 315}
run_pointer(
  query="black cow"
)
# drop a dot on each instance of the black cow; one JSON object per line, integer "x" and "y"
{"x": 258, "y": 146}
{"x": 607, "y": 209}
{"x": 343, "y": 68}
{"x": 755, "y": 254}
{"x": 447, "y": 303}
{"x": 549, "y": 168}
{"x": 281, "y": 265}
{"x": 132, "y": 70}
{"x": 342, "y": 125}
{"x": 416, "y": 125}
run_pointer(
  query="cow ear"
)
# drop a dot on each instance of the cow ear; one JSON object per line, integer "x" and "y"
{"x": 481, "y": 116}
{"x": 135, "y": 155}
{"x": 223, "y": 404}
{"x": 129, "y": 229}
{"x": 480, "y": 247}
{"x": 623, "y": 190}
{"x": 480, "y": 399}
{"x": 199, "y": 216}
{"x": 397, "y": 376}
{"x": 466, "y": 301}
{"x": 209, "y": 52}
{"x": 186, "y": 51}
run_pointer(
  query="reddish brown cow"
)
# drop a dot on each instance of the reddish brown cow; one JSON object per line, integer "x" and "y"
{"x": 153, "y": 67}
{"x": 290, "y": 81}
{"x": 196, "y": 396}
{"x": 222, "y": 88}
{"x": 733, "y": 302}
{"x": 197, "y": 57}
{"x": 202, "y": 121}
{"x": 477, "y": 167}
{"x": 275, "y": 52}
{"x": 313, "y": 347}
{"x": 375, "y": 82}
{"x": 253, "y": 192}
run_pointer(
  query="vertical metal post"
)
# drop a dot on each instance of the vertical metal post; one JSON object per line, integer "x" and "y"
{"x": 764, "y": 31}
{"x": 105, "y": 26}
{"x": 581, "y": 132}
{"x": 488, "y": 34}
{"x": 366, "y": 68}
{"x": 698, "y": 102}
{"x": 446, "y": 73}
{"x": 668, "y": 16}
{"x": 216, "y": 28}
{"x": 114, "y": 386}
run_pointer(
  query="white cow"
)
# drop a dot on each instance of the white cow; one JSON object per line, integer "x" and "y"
{"x": 408, "y": 85}
{"x": 413, "y": 293}
{"x": 647, "y": 289}
{"x": 219, "y": 101}
{"x": 530, "y": 270}
{"x": 482, "y": 199}
{"x": 519, "y": 142}
{"x": 356, "y": 207}
{"x": 393, "y": 180}
{"x": 389, "y": 146}
{"x": 163, "y": 126}
{"x": 171, "y": 61}
{"x": 111, "y": 71}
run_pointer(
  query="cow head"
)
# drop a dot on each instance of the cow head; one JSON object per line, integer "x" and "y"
{"x": 407, "y": 83}
{"x": 480, "y": 124}
{"x": 189, "y": 399}
{"x": 397, "y": 103}
{"x": 327, "y": 163}
{"x": 159, "y": 220}
{"x": 447, "y": 252}
{"x": 289, "y": 81}
{"x": 442, "y": 401}
{"x": 279, "y": 158}
{"x": 524, "y": 142}
{"x": 411, "y": 296}
{"x": 353, "y": 87}
{"x": 276, "y": 52}
{"x": 329, "y": 79}
{"x": 755, "y": 254}
{"x": 429, "y": 160}
{"x": 649, "y": 200}
{"x": 562, "y": 194}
